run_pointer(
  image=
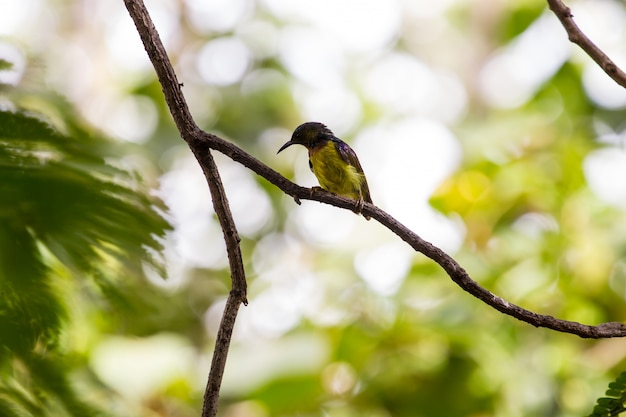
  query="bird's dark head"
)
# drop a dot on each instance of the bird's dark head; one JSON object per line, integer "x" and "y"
{"x": 308, "y": 134}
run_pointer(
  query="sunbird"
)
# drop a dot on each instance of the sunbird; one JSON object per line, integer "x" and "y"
{"x": 333, "y": 162}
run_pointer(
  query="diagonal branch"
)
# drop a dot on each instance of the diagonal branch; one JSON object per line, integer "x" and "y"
{"x": 452, "y": 268}
{"x": 578, "y": 37}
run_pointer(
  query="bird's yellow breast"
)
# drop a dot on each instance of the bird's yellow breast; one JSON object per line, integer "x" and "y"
{"x": 333, "y": 173}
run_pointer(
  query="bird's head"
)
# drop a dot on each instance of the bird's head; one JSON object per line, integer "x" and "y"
{"x": 308, "y": 134}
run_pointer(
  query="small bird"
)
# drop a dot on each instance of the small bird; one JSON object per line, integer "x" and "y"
{"x": 333, "y": 162}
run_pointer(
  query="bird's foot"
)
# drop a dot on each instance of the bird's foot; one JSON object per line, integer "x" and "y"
{"x": 297, "y": 200}
{"x": 315, "y": 190}
{"x": 358, "y": 209}
{"x": 358, "y": 206}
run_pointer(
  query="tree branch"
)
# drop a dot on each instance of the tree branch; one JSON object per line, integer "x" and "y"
{"x": 189, "y": 130}
{"x": 201, "y": 142}
{"x": 237, "y": 294}
{"x": 452, "y": 268}
{"x": 578, "y": 37}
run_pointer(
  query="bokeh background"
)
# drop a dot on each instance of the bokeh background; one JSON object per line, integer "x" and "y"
{"x": 478, "y": 125}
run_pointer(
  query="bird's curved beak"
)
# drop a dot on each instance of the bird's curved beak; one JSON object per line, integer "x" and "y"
{"x": 285, "y": 146}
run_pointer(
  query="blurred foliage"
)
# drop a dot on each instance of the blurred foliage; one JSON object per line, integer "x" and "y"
{"x": 66, "y": 213}
{"x": 5, "y": 65}
{"x": 613, "y": 403}
{"x": 85, "y": 327}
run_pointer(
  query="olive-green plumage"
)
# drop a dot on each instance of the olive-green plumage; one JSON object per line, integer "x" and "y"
{"x": 333, "y": 162}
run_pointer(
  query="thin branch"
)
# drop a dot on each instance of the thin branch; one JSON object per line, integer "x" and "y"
{"x": 237, "y": 294}
{"x": 163, "y": 67}
{"x": 218, "y": 363}
{"x": 225, "y": 217}
{"x": 188, "y": 130}
{"x": 452, "y": 268}
{"x": 578, "y": 37}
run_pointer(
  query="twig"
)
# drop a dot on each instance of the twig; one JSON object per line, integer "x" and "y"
{"x": 189, "y": 130}
{"x": 578, "y": 37}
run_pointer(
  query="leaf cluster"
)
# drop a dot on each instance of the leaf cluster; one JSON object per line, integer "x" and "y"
{"x": 613, "y": 404}
{"x": 68, "y": 218}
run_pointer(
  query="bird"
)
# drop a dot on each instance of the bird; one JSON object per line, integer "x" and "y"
{"x": 333, "y": 162}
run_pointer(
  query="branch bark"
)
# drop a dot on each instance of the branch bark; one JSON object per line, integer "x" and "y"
{"x": 201, "y": 143}
{"x": 452, "y": 268}
{"x": 237, "y": 294}
{"x": 578, "y": 37}
{"x": 189, "y": 132}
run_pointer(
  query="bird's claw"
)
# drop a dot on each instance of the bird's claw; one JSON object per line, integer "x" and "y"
{"x": 360, "y": 203}
{"x": 297, "y": 200}
{"x": 315, "y": 189}
{"x": 359, "y": 206}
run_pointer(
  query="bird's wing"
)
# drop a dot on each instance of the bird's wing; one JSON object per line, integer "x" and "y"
{"x": 349, "y": 157}
{"x": 347, "y": 154}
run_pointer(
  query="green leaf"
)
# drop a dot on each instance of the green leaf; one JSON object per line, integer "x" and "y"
{"x": 621, "y": 379}
{"x": 616, "y": 385}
